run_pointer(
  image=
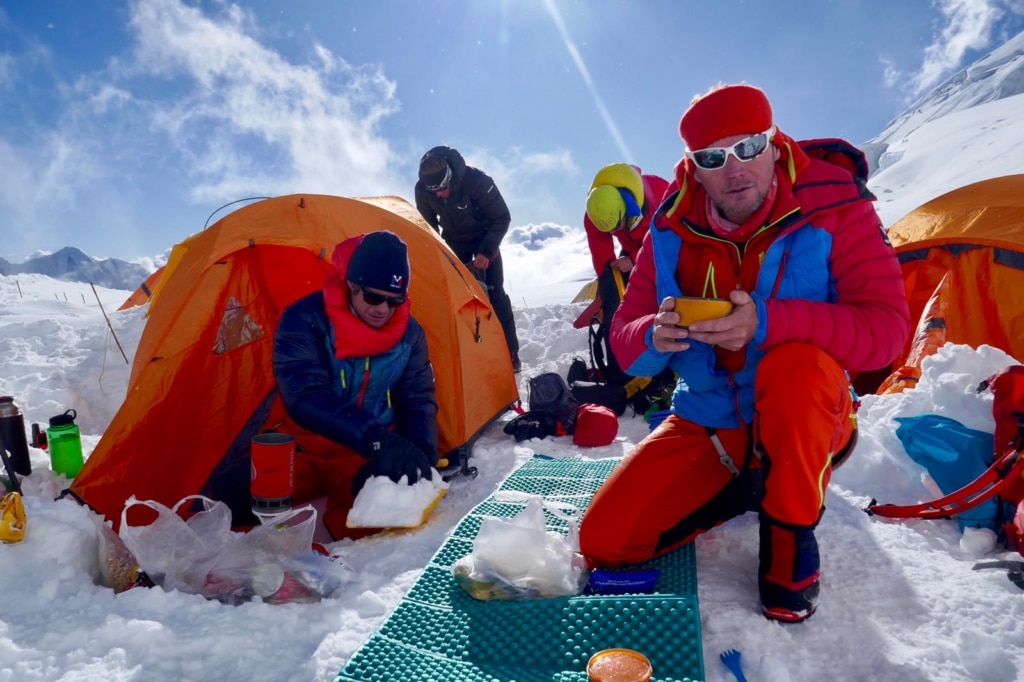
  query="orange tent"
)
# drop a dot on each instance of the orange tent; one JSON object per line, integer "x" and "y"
{"x": 149, "y": 290}
{"x": 142, "y": 295}
{"x": 202, "y": 382}
{"x": 962, "y": 256}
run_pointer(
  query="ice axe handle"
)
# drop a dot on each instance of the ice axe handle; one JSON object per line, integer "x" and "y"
{"x": 1014, "y": 570}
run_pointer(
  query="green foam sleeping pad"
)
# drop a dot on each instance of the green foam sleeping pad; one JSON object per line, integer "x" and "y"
{"x": 438, "y": 633}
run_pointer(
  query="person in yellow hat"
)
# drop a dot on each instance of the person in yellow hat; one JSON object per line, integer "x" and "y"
{"x": 620, "y": 204}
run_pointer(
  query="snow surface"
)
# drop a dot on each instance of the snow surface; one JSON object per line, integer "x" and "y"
{"x": 899, "y": 599}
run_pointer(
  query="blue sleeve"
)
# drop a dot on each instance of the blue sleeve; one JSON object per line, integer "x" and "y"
{"x": 761, "y": 333}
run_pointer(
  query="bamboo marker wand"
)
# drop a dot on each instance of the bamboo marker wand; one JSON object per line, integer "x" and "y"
{"x": 109, "y": 326}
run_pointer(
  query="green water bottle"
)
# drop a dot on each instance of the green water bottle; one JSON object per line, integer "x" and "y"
{"x": 65, "y": 444}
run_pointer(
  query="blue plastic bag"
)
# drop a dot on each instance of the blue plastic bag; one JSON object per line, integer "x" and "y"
{"x": 954, "y": 455}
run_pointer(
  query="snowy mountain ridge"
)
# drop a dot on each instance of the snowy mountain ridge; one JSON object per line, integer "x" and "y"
{"x": 72, "y": 265}
{"x": 996, "y": 76}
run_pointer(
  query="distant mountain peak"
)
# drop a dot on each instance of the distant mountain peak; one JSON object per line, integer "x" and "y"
{"x": 73, "y": 265}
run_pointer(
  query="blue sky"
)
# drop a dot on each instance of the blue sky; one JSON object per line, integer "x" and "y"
{"x": 125, "y": 125}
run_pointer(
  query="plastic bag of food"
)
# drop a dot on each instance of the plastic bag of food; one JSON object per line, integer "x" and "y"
{"x": 200, "y": 554}
{"x": 520, "y": 558}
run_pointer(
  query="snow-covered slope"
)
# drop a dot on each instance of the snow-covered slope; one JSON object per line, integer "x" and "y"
{"x": 998, "y": 75}
{"x": 974, "y": 118}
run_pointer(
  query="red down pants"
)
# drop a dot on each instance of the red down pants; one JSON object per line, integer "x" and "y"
{"x": 328, "y": 471}
{"x": 323, "y": 468}
{"x": 673, "y": 485}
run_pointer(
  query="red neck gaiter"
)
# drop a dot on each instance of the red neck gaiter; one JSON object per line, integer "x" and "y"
{"x": 353, "y": 337}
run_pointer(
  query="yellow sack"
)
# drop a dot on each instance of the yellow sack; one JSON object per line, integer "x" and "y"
{"x": 12, "y": 518}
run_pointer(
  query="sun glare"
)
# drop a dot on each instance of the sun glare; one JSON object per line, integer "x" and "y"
{"x": 577, "y": 59}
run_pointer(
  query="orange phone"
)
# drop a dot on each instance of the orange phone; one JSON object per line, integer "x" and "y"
{"x": 693, "y": 309}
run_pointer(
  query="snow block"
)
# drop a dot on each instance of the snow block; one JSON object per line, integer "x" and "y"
{"x": 438, "y": 632}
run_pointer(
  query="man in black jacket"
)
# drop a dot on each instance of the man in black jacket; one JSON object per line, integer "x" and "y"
{"x": 464, "y": 205}
{"x": 354, "y": 373}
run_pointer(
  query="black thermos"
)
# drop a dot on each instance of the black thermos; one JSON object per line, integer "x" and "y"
{"x": 12, "y": 429}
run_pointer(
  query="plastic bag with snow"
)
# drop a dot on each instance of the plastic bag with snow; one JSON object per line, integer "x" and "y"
{"x": 519, "y": 558}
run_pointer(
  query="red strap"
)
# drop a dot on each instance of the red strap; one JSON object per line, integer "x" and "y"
{"x": 994, "y": 480}
{"x": 366, "y": 382}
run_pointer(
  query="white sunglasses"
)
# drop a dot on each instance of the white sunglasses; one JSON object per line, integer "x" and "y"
{"x": 747, "y": 149}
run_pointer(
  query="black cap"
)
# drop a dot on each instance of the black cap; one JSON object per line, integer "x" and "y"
{"x": 64, "y": 419}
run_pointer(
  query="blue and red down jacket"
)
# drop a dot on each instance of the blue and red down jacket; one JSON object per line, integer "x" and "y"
{"x": 821, "y": 271}
{"x": 342, "y": 398}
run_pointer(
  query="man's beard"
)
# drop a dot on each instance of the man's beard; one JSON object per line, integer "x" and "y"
{"x": 746, "y": 207}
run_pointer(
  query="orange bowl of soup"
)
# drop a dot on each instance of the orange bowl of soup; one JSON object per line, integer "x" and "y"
{"x": 619, "y": 665}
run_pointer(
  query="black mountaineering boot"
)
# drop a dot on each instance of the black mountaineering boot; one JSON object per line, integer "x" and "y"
{"x": 788, "y": 571}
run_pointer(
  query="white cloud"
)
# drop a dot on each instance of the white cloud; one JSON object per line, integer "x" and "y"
{"x": 891, "y": 75}
{"x": 558, "y": 161}
{"x": 242, "y": 103}
{"x": 41, "y": 182}
{"x": 516, "y": 172}
{"x": 200, "y": 103}
{"x": 109, "y": 97}
{"x": 969, "y": 25}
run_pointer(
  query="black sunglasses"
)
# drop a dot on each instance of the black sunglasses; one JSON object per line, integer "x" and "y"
{"x": 372, "y": 298}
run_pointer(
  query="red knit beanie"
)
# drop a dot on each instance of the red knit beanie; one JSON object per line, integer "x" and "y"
{"x": 729, "y": 110}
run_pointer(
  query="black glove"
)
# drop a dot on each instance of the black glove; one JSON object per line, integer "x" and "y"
{"x": 391, "y": 455}
{"x": 532, "y": 424}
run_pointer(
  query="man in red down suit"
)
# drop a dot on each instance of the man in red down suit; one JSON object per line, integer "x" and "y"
{"x": 763, "y": 409}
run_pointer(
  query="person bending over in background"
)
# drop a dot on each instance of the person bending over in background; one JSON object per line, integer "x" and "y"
{"x": 620, "y": 205}
{"x": 763, "y": 409}
{"x": 352, "y": 367}
{"x": 464, "y": 205}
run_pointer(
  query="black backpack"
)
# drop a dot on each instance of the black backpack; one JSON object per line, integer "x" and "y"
{"x": 550, "y": 395}
{"x": 643, "y": 394}
{"x": 601, "y": 356}
{"x": 552, "y": 410}
{"x": 587, "y": 387}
